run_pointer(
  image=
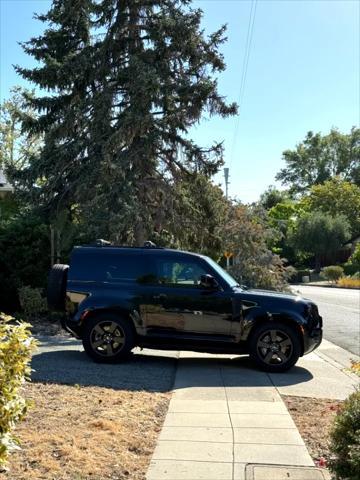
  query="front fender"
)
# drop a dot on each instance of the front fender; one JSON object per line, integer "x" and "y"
{"x": 256, "y": 316}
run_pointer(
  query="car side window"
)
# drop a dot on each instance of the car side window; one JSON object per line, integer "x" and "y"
{"x": 179, "y": 273}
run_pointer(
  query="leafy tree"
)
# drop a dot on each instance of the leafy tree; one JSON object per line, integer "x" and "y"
{"x": 200, "y": 215}
{"x": 272, "y": 196}
{"x": 318, "y": 233}
{"x": 282, "y": 218}
{"x": 128, "y": 79}
{"x": 246, "y": 234}
{"x": 335, "y": 197}
{"x": 320, "y": 158}
{"x": 16, "y": 148}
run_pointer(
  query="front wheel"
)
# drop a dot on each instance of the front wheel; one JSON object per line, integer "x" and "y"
{"x": 107, "y": 338}
{"x": 275, "y": 347}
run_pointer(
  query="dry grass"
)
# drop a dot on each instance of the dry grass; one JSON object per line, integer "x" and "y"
{"x": 314, "y": 417}
{"x": 78, "y": 433}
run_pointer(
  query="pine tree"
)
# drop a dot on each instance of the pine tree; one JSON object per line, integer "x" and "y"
{"x": 127, "y": 79}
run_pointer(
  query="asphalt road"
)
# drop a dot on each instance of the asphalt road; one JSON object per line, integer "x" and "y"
{"x": 340, "y": 309}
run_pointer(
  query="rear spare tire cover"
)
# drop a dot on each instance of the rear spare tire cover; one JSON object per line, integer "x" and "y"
{"x": 56, "y": 288}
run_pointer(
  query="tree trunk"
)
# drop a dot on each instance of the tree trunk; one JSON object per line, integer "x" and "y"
{"x": 139, "y": 232}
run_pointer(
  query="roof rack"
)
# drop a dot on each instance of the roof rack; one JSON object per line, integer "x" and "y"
{"x": 150, "y": 244}
{"x": 100, "y": 242}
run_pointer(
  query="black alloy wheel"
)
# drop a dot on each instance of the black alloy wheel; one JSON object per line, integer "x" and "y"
{"x": 108, "y": 338}
{"x": 275, "y": 347}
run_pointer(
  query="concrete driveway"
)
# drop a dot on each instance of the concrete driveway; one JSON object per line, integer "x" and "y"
{"x": 62, "y": 360}
{"x": 340, "y": 309}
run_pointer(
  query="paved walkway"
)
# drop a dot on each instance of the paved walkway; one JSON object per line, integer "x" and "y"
{"x": 222, "y": 416}
{"x": 227, "y": 421}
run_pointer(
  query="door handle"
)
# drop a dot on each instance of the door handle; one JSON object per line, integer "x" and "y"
{"x": 161, "y": 296}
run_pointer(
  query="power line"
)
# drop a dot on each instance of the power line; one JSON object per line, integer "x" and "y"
{"x": 248, "y": 43}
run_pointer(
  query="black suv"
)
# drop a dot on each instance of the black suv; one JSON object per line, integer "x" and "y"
{"x": 117, "y": 298}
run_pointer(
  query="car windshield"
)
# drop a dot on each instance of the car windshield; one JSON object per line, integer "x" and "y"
{"x": 223, "y": 273}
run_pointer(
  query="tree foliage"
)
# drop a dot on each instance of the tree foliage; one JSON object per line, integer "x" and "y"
{"x": 126, "y": 80}
{"x": 246, "y": 234}
{"x": 16, "y": 147}
{"x": 318, "y": 233}
{"x": 336, "y": 197}
{"x": 272, "y": 196}
{"x": 24, "y": 257}
{"x": 319, "y": 158}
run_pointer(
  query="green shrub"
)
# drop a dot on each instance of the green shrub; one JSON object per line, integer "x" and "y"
{"x": 31, "y": 301}
{"x": 345, "y": 440}
{"x": 355, "y": 257}
{"x": 333, "y": 272}
{"x": 16, "y": 347}
{"x": 350, "y": 268}
{"x": 24, "y": 258}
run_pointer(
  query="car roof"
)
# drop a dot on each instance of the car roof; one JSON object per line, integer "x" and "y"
{"x": 94, "y": 250}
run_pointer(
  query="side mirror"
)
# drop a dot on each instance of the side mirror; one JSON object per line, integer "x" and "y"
{"x": 208, "y": 281}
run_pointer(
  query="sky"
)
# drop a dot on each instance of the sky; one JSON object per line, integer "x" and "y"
{"x": 302, "y": 74}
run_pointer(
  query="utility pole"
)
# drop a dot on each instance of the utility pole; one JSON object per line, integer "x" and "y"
{"x": 226, "y": 175}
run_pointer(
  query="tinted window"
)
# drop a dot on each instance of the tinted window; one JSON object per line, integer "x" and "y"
{"x": 109, "y": 267}
{"x": 178, "y": 272}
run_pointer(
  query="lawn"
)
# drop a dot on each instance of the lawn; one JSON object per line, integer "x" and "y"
{"x": 82, "y": 433}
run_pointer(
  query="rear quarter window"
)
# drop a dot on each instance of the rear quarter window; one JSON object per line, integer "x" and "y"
{"x": 112, "y": 267}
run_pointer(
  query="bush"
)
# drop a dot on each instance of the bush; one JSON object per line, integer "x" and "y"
{"x": 31, "y": 301}
{"x": 345, "y": 440}
{"x": 355, "y": 257}
{"x": 24, "y": 259}
{"x": 16, "y": 347}
{"x": 333, "y": 272}
{"x": 350, "y": 268}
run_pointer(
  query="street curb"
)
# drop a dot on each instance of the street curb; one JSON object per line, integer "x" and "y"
{"x": 322, "y": 286}
{"x": 347, "y": 356}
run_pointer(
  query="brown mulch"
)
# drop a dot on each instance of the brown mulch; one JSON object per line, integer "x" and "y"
{"x": 83, "y": 433}
{"x": 47, "y": 327}
{"x": 313, "y": 418}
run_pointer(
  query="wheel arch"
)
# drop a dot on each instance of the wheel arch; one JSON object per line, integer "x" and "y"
{"x": 287, "y": 318}
{"x": 92, "y": 313}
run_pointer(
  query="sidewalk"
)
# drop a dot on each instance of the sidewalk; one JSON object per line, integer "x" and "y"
{"x": 227, "y": 421}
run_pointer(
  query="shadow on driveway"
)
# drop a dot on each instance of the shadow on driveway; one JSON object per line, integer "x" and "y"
{"x": 63, "y": 361}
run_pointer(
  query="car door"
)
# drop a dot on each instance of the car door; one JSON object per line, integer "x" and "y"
{"x": 179, "y": 305}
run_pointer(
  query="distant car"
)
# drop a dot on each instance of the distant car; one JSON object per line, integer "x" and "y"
{"x": 117, "y": 298}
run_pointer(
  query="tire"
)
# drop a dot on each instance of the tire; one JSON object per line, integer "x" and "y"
{"x": 100, "y": 334}
{"x": 56, "y": 288}
{"x": 275, "y": 347}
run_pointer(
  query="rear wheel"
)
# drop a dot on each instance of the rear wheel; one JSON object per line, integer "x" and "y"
{"x": 107, "y": 338}
{"x": 275, "y": 347}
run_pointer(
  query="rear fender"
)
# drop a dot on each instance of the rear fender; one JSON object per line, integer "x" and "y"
{"x": 86, "y": 311}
